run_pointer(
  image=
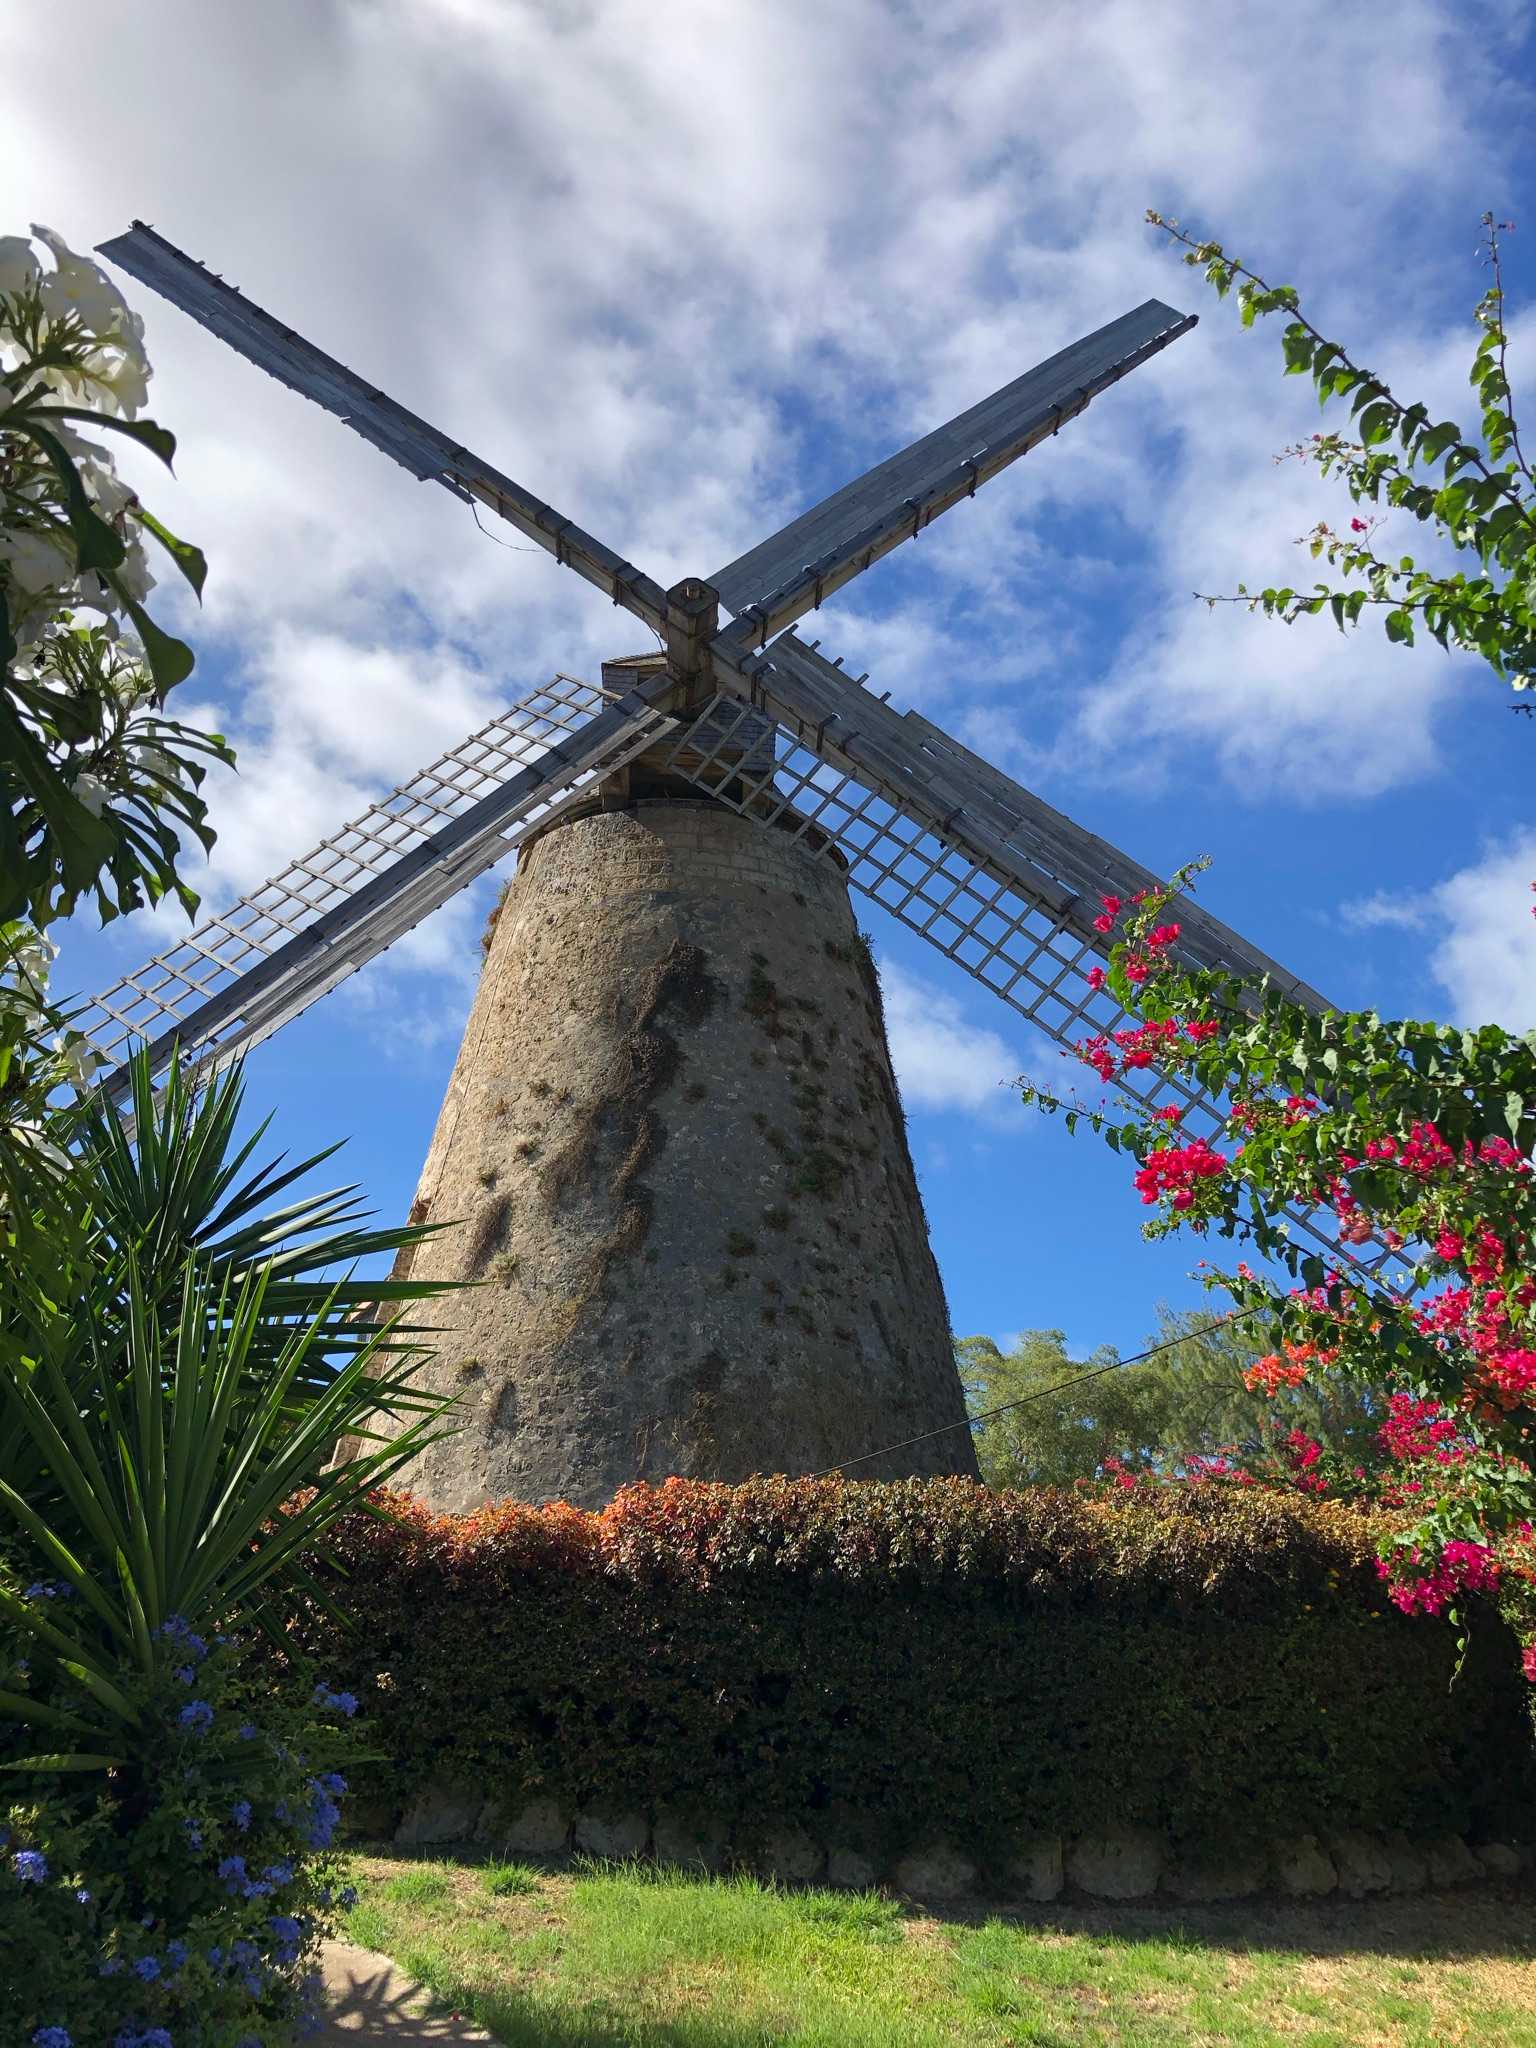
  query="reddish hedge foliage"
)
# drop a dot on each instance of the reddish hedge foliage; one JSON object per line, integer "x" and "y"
{"x": 927, "y": 1657}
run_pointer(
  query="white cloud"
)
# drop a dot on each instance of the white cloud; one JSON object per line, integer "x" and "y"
{"x": 1384, "y": 911}
{"x": 1482, "y": 939}
{"x": 943, "y": 1060}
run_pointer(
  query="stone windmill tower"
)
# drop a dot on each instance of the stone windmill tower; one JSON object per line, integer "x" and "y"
{"x": 675, "y": 1137}
{"x": 672, "y": 1142}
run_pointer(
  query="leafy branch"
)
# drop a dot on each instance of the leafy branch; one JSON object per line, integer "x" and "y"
{"x": 1481, "y": 502}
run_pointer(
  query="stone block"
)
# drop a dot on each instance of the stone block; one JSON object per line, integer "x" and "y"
{"x": 1452, "y": 1862}
{"x": 537, "y": 1828}
{"x": 1360, "y": 1863}
{"x": 689, "y": 1844}
{"x": 851, "y": 1871}
{"x": 789, "y": 1856}
{"x": 1122, "y": 1863}
{"x": 939, "y": 1872}
{"x": 615, "y": 1836}
{"x": 1214, "y": 1875}
{"x": 440, "y": 1813}
{"x": 1408, "y": 1864}
{"x": 1303, "y": 1868}
{"x": 1035, "y": 1869}
{"x": 1499, "y": 1859}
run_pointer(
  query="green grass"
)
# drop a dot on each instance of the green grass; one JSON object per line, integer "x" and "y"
{"x": 624, "y": 1956}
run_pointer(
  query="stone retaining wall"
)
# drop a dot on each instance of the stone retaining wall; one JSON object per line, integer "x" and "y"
{"x": 1128, "y": 1864}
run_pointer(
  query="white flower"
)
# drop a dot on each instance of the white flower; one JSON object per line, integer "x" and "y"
{"x": 81, "y": 1063}
{"x": 18, "y": 266}
{"x": 30, "y": 1136}
{"x": 31, "y": 957}
{"x": 131, "y": 687}
{"x": 133, "y": 572}
{"x": 81, "y": 287}
{"x": 122, "y": 380}
{"x": 155, "y": 761}
{"x": 36, "y": 561}
{"x": 90, "y": 791}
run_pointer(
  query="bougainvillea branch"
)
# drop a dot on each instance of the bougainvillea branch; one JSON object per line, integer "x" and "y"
{"x": 1475, "y": 493}
{"x": 1413, "y": 1137}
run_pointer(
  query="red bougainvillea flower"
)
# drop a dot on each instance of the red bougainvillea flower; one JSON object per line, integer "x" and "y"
{"x": 1269, "y": 1375}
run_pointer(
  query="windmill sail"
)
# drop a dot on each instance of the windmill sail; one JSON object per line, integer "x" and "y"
{"x": 997, "y": 880}
{"x": 251, "y": 968}
{"x": 792, "y": 571}
{"x": 402, "y": 436}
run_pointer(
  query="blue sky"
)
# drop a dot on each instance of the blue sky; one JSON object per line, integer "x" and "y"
{"x": 682, "y": 270}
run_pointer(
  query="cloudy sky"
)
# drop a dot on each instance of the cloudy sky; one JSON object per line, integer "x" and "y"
{"x": 682, "y": 267}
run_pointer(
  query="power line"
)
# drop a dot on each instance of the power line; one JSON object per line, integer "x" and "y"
{"x": 1044, "y": 1394}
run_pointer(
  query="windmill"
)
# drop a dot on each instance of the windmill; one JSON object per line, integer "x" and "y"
{"x": 672, "y": 1142}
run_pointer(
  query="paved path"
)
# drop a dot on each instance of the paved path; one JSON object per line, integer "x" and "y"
{"x": 369, "y": 1999}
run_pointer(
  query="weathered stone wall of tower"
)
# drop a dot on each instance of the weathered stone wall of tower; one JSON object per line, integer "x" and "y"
{"x": 674, "y": 1158}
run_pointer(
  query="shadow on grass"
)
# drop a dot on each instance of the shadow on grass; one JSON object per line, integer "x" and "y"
{"x": 1487, "y": 1924}
{"x": 376, "y": 2006}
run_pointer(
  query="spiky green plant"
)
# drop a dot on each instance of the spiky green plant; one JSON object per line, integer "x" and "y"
{"x": 180, "y": 1485}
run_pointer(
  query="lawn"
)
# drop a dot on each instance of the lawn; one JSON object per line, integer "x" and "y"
{"x": 620, "y": 1956}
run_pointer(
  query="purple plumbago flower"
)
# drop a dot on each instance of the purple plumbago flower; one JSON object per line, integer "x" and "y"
{"x": 176, "y": 1953}
{"x": 232, "y": 1870}
{"x": 196, "y": 1715}
{"x": 52, "y": 2037}
{"x": 186, "y": 1674}
{"x": 333, "y": 1782}
{"x": 30, "y": 1865}
{"x": 346, "y": 1898}
{"x": 147, "y": 1968}
{"x": 342, "y": 1702}
{"x": 246, "y": 1731}
{"x": 82, "y": 1898}
{"x": 181, "y": 1631}
{"x": 240, "y": 1814}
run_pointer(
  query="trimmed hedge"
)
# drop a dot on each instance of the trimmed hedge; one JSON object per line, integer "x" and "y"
{"x": 890, "y": 1663}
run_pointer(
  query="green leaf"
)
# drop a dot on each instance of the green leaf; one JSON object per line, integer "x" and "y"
{"x": 1376, "y": 422}
{"x": 188, "y": 559}
{"x": 1514, "y": 1110}
{"x": 97, "y": 546}
{"x": 158, "y": 440}
{"x": 1399, "y": 625}
{"x": 170, "y": 660}
{"x": 65, "y": 1760}
{"x": 1298, "y": 346}
{"x": 1434, "y": 444}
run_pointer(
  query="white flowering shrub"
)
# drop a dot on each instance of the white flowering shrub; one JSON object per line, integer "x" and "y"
{"x": 98, "y": 789}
